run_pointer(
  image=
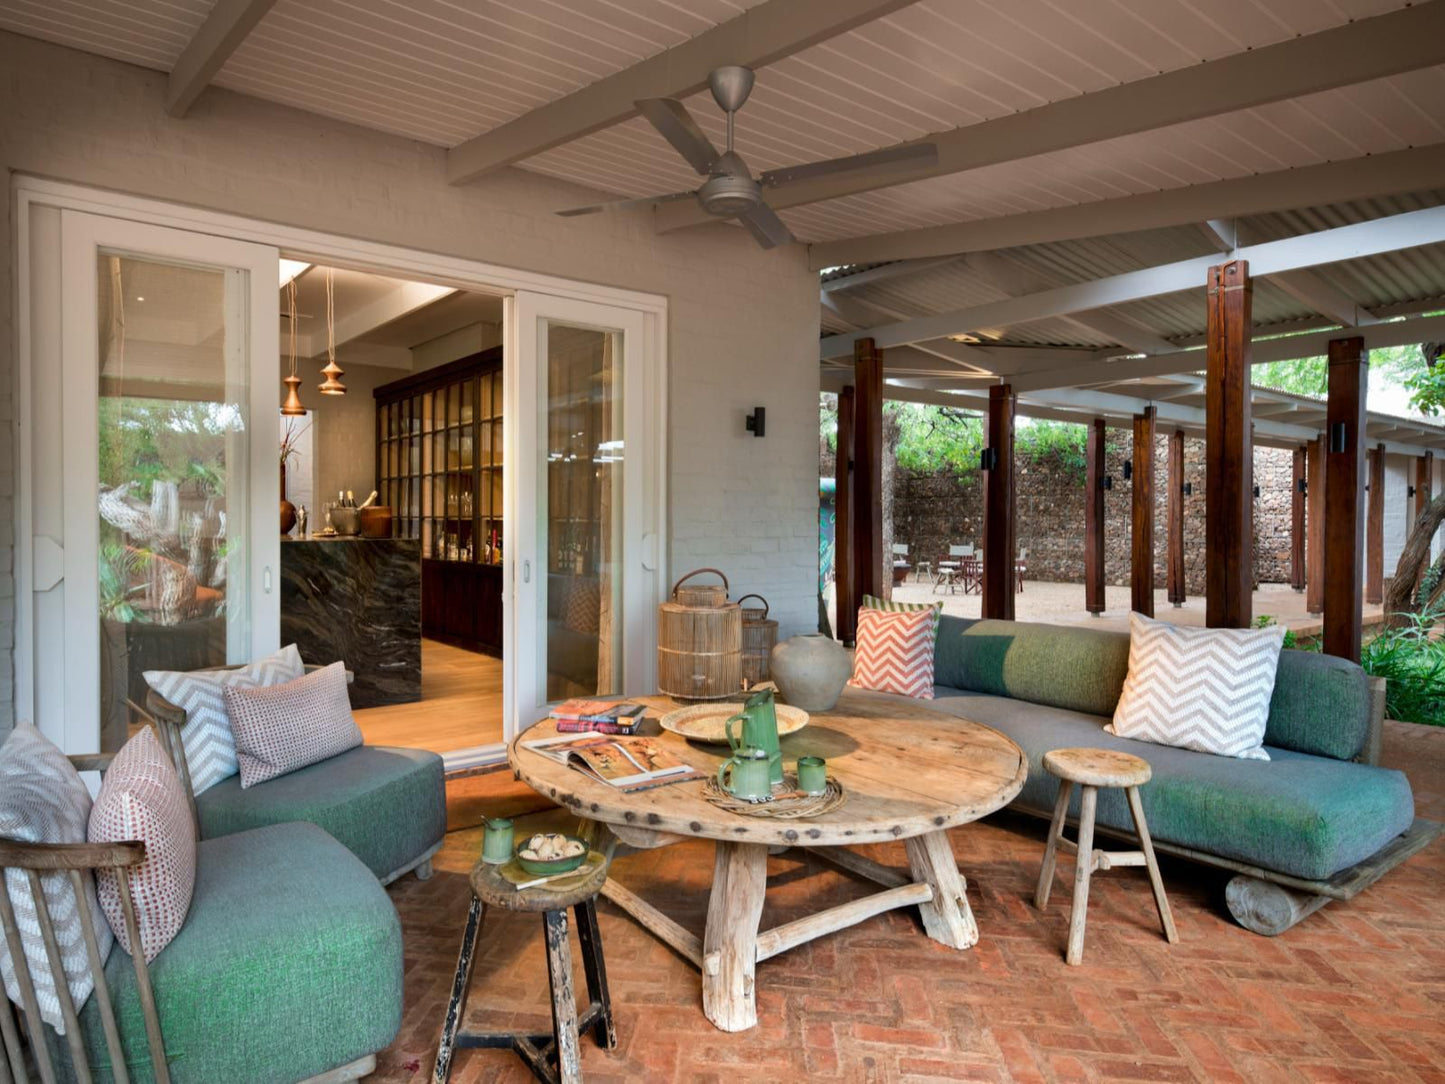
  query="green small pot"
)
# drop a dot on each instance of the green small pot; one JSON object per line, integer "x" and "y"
{"x": 559, "y": 865}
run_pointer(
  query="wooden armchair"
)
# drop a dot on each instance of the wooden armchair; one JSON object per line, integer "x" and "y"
{"x": 77, "y": 860}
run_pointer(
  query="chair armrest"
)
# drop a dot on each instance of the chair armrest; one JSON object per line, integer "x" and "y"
{"x": 92, "y": 762}
{"x": 63, "y": 856}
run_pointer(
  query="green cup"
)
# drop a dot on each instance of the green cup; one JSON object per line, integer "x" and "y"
{"x": 812, "y": 775}
{"x": 745, "y": 775}
{"x": 497, "y": 841}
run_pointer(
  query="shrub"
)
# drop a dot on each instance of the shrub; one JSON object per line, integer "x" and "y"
{"x": 1411, "y": 659}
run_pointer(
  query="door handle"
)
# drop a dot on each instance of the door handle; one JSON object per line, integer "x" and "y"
{"x": 526, "y": 571}
{"x": 266, "y": 579}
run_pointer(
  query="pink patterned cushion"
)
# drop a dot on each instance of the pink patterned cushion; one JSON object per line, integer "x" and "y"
{"x": 142, "y": 798}
{"x": 894, "y": 652}
{"x": 280, "y": 728}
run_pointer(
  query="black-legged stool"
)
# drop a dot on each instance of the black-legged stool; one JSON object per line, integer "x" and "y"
{"x": 555, "y": 1058}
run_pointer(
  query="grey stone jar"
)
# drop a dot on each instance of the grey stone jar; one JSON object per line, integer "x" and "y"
{"x": 810, "y": 671}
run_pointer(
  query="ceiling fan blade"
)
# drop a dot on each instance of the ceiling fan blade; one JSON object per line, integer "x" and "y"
{"x": 766, "y": 227}
{"x": 625, "y": 204}
{"x": 890, "y": 158}
{"x": 670, "y": 117}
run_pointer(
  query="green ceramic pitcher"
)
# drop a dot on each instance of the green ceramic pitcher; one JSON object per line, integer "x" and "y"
{"x": 759, "y": 731}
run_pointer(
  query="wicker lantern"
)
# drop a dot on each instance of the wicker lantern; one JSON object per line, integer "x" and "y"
{"x": 759, "y": 636}
{"x": 699, "y": 641}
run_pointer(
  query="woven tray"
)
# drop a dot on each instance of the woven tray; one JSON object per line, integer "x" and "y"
{"x": 788, "y": 802}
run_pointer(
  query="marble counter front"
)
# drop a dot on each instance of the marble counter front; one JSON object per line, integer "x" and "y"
{"x": 357, "y": 600}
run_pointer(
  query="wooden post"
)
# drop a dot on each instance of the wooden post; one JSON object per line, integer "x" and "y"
{"x": 846, "y": 601}
{"x": 1094, "y": 518}
{"x": 867, "y": 471}
{"x": 1344, "y": 548}
{"x": 1297, "y": 521}
{"x": 1375, "y": 527}
{"x": 1315, "y": 455}
{"x": 1229, "y": 461}
{"x": 1174, "y": 506}
{"x": 1141, "y": 550}
{"x": 998, "y": 506}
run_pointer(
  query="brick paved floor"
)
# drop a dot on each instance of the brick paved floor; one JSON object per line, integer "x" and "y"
{"x": 1355, "y": 993}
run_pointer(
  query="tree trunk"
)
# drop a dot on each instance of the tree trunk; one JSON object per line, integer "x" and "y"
{"x": 1413, "y": 558}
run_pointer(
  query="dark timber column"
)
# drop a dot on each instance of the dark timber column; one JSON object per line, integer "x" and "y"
{"x": 867, "y": 470}
{"x": 1094, "y": 518}
{"x": 1345, "y": 497}
{"x": 1229, "y": 464}
{"x": 1297, "y": 521}
{"x": 1424, "y": 490}
{"x": 1375, "y": 528}
{"x": 847, "y": 603}
{"x": 1141, "y": 550}
{"x": 1174, "y": 507}
{"x": 998, "y": 505}
{"x": 1315, "y": 455}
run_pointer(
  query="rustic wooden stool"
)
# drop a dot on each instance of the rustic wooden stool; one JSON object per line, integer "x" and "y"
{"x": 555, "y": 1058}
{"x": 1092, "y": 769}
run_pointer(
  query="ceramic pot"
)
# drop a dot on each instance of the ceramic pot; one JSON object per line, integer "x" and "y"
{"x": 288, "y": 510}
{"x": 810, "y": 671}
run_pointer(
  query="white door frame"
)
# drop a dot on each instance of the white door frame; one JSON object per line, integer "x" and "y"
{"x": 317, "y": 247}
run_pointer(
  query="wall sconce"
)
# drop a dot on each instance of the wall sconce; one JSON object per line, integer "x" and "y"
{"x": 1256, "y": 491}
{"x": 757, "y": 421}
{"x": 1304, "y": 487}
{"x": 1338, "y": 437}
{"x": 1106, "y": 482}
{"x": 1128, "y": 469}
{"x": 1189, "y": 489}
{"x": 1409, "y": 491}
{"x": 988, "y": 459}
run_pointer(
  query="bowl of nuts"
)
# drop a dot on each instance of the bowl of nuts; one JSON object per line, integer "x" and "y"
{"x": 547, "y": 853}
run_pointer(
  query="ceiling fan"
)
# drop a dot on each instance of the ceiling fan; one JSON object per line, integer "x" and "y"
{"x": 730, "y": 190}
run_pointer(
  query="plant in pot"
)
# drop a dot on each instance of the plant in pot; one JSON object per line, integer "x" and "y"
{"x": 289, "y": 438}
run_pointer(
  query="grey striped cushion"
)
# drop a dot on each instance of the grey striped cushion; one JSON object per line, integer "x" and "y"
{"x": 873, "y": 602}
{"x": 210, "y": 748}
{"x": 43, "y": 800}
{"x": 1201, "y": 689}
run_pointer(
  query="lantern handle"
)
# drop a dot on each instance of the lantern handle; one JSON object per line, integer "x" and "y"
{"x": 698, "y": 572}
{"x": 760, "y": 599}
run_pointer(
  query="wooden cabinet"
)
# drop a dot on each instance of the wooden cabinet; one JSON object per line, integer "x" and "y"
{"x": 439, "y": 466}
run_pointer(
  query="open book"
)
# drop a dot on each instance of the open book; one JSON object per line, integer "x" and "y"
{"x": 627, "y": 763}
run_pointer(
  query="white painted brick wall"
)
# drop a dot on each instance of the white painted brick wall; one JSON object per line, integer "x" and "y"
{"x": 744, "y": 323}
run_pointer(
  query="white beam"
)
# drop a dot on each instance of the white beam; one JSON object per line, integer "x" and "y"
{"x": 1222, "y": 233}
{"x": 219, "y": 36}
{"x": 1400, "y": 41}
{"x": 1308, "y": 186}
{"x": 1358, "y": 240}
{"x": 1310, "y": 289}
{"x": 758, "y": 37}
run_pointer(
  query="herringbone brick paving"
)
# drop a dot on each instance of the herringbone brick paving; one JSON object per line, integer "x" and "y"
{"x": 1354, "y": 993}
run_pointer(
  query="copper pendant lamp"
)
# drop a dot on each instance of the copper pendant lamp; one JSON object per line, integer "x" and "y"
{"x": 292, "y": 407}
{"x": 332, "y": 385}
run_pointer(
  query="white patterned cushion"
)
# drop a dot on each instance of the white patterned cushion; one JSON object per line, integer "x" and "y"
{"x": 1201, "y": 689}
{"x": 285, "y": 727}
{"x": 43, "y": 800}
{"x": 894, "y": 652}
{"x": 210, "y": 749}
{"x": 143, "y": 798}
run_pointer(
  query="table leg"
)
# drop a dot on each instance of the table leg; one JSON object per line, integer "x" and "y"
{"x": 730, "y": 943}
{"x": 461, "y": 986}
{"x": 947, "y": 918}
{"x": 564, "y": 1008}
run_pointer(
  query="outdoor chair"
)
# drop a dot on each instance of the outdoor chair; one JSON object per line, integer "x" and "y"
{"x": 1021, "y": 566}
{"x": 949, "y": 568}
{"x": 900, "y": 562}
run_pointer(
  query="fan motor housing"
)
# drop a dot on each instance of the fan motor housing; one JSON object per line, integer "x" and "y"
{"x": 725, "y": 194}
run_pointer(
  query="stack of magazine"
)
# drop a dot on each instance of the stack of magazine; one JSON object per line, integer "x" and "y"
{"x": 597, "y": 716}
{"x": 627, "y": 763}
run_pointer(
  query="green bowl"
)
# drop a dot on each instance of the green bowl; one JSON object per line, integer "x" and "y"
{"x": 558, "y": 865}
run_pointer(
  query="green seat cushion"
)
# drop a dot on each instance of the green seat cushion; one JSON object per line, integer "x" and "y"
{"x": 388, "y": 806}
{"x": 289, "y": 964}
{"x": 1303, "y": 815}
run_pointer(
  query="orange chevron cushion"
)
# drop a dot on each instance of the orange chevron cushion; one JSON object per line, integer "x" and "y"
{"x": 895, "y": 652}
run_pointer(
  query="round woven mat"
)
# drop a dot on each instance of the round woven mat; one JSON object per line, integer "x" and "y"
{"x": 788, "y": 802}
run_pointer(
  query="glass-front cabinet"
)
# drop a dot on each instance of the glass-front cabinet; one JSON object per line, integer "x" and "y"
{"x": 439, "y": 467}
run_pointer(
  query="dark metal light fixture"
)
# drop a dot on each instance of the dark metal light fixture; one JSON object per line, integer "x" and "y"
{"x": 1304, "y": 486}
{"x": 1256, "y": 491}
{"x": 988, "y": 459}
{"x": 1189, "y": 489}
{"x": 757, "y": 421}
{"x": 1128, "y": 469}
{"x": 1106, "y": 482}
{"x": 1338, "y": 437}
{"x": 1409, "y": 491}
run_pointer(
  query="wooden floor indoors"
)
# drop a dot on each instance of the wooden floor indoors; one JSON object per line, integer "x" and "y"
{"x": 460, "y": 706}
{"x": 1354, "y": 993}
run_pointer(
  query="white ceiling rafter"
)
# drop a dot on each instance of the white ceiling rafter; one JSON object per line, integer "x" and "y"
{"x": 223, "y": 31}
{"x": 759, "y": 36}
{"x": 1371, "y": 48}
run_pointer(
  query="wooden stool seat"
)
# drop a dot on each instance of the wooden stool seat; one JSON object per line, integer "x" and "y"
{"x": 1098, "y": 767}
{"x": 556, "y": 1058}
{"x": 1092, "y": 769}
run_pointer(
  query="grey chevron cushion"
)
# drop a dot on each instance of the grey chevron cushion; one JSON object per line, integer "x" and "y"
{"x": 1202, "y": 689}
{"x": 209, "y": 745}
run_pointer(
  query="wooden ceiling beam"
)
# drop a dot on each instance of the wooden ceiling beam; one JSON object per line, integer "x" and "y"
{"x": 219, "y": 36}
{"x": 759, "y": 36}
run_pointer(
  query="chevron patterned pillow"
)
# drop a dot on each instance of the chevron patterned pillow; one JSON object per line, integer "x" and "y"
{"x": 1201, "y": 689}
{"x": 209, "y": 745}
{"x": 873, "y": 602}
{"x": 894, "y": 652}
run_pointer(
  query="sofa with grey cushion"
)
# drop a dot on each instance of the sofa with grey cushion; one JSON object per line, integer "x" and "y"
{"x": 1318, "y": 821}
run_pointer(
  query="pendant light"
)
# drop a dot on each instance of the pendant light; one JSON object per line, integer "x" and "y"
{"x": 332, "y": 385}
{"x": 292, "y": 407}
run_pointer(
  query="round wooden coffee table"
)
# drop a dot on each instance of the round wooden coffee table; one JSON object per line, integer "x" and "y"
{"x": 910, "y": 774}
